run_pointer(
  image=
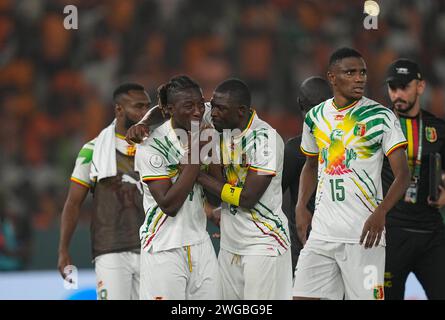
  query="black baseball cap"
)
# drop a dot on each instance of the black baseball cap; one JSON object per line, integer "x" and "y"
{"x": 402, "y": 71}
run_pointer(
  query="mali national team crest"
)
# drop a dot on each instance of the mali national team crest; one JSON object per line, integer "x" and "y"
{"x": 360, "y": 129}
{"x": 430, "y": 134}
{"x": 379, "y": 293}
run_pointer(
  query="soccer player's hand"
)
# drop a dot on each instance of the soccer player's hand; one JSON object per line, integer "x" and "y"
{"x": 439, "y": 203}
{"x": 303, "y": 219}
{"x": 373, "y": 229}
{"x": 64, "y": 260}
{"x": 136, "y": 133}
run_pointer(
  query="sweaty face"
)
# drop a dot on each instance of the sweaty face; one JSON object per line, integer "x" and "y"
{"x": 135, "y": 105}
{"x": 403, "y": 96}
{"x": 224, "y": 113}
{"x": 348, "y": 78}
{"x": 187, "y": 106}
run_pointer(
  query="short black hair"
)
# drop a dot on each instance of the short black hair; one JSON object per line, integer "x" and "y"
{"x": 125, "y": 88}
{"x": 343, "y": 53}
{"x": 238, "y": 90}
{"x": 312, "y": 92}
{"x": 176, "y": 84}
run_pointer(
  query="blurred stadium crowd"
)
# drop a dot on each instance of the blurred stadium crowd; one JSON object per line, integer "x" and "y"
{"x": 56, "y": 84}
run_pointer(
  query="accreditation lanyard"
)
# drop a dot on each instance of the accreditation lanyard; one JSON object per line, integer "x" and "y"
{"x": 409, "y": 127}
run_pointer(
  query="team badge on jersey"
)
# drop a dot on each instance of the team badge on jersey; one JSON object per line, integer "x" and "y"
{"x": 430, "y": 134}
{"x": 156, "y": 161}
{"x": 360, "y": 129}
{"x": 379, "y": 293}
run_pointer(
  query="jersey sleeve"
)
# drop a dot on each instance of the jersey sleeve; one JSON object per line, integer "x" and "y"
{"x": 150, "y": 163}
{"x": 309, "y": 145}
{"x": 81, "y": 171}
{"x": 393, "y": 137}
{"x": 267, "y": 148}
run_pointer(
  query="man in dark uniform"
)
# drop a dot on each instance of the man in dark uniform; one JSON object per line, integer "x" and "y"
{"x": 312, "y": 92}
{"x": 415, "y": 231}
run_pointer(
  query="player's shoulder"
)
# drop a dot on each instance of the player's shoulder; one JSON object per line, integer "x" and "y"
{"x": 376, "y": 108}
{"x": 431, "y": 119}
{"x": 160, "y": 131}
{"x": 157, "y": 134}
{"x": 262, "y": 128}
{"x": 89, "y": 145}
{"x": 313, "y": 114}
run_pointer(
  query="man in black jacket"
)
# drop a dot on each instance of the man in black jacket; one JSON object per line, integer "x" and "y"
{"x": 415, "y": 232}
{"x": 312, "y": 92}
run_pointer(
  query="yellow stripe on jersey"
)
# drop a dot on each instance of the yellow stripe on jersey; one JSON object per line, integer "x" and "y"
{"x": 398, "y": 145}
{"x": 268, "y": 226}
{"x": 266, "y": 171}
{"x": 189, "y": 258}
{"x": 154, "y": 178}
{"x": 120, "y": 136}
{"x": 345, "y": 107}
{"x": 155, "y": 223}
{"x": 82, "y": 183}
{"x": 307, "y": 153}
{"x": 365, "y": 193}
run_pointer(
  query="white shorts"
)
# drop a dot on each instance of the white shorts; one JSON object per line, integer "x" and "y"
{"x": 117, "y": 276}
{"x": 331, "y": 270}
{"x": 187, "y": 273}
{"x": 255, "y": 277}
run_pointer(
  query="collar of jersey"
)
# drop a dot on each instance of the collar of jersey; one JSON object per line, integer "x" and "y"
{"x": 120, "y": 136}
{"x": 346, "y": 107}
{"x": 249, "y": 124}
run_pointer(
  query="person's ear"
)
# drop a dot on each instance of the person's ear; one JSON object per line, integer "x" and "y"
{"x": 421, "y": 84}
{"x": 118, "y": 110}
{"x": 331, "y": 77}
{"x": 169, "y": 109}
{"x": 243, "y": 109}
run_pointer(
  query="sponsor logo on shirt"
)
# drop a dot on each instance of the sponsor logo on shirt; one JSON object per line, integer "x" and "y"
{"x": 339, "y": 117}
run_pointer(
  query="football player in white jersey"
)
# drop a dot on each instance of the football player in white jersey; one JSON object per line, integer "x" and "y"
{"x": 117, "y": 199}
{"x": 178, "y": 260}
{"x": 345, "y": 139}
{"x": 254, "y": 258}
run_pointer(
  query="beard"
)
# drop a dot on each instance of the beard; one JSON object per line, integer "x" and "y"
{"x": 403, "y": 109}
{"x": 129, "y": 123}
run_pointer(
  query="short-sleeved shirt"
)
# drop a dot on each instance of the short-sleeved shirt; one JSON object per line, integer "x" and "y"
{"x": 350, "y": 143}
{"x": 118, "y": 211}
{"x": 262, "y": 230}
{"x": 158, "y": 158}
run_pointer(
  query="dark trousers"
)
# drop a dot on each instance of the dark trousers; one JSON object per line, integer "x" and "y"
{"x": 418, "y": 252}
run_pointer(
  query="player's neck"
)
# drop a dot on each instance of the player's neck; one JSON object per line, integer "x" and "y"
{"x": 341, "y": 102}
{"x": 245, "y": 121}
{"x": 413, "y": 113}
{"x": 120, "y": 129}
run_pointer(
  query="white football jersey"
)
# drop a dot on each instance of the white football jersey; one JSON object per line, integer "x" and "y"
{"x": 350, "y": 143}
{"x": 262, "y": 230}
{"x": 158, "y": 158}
